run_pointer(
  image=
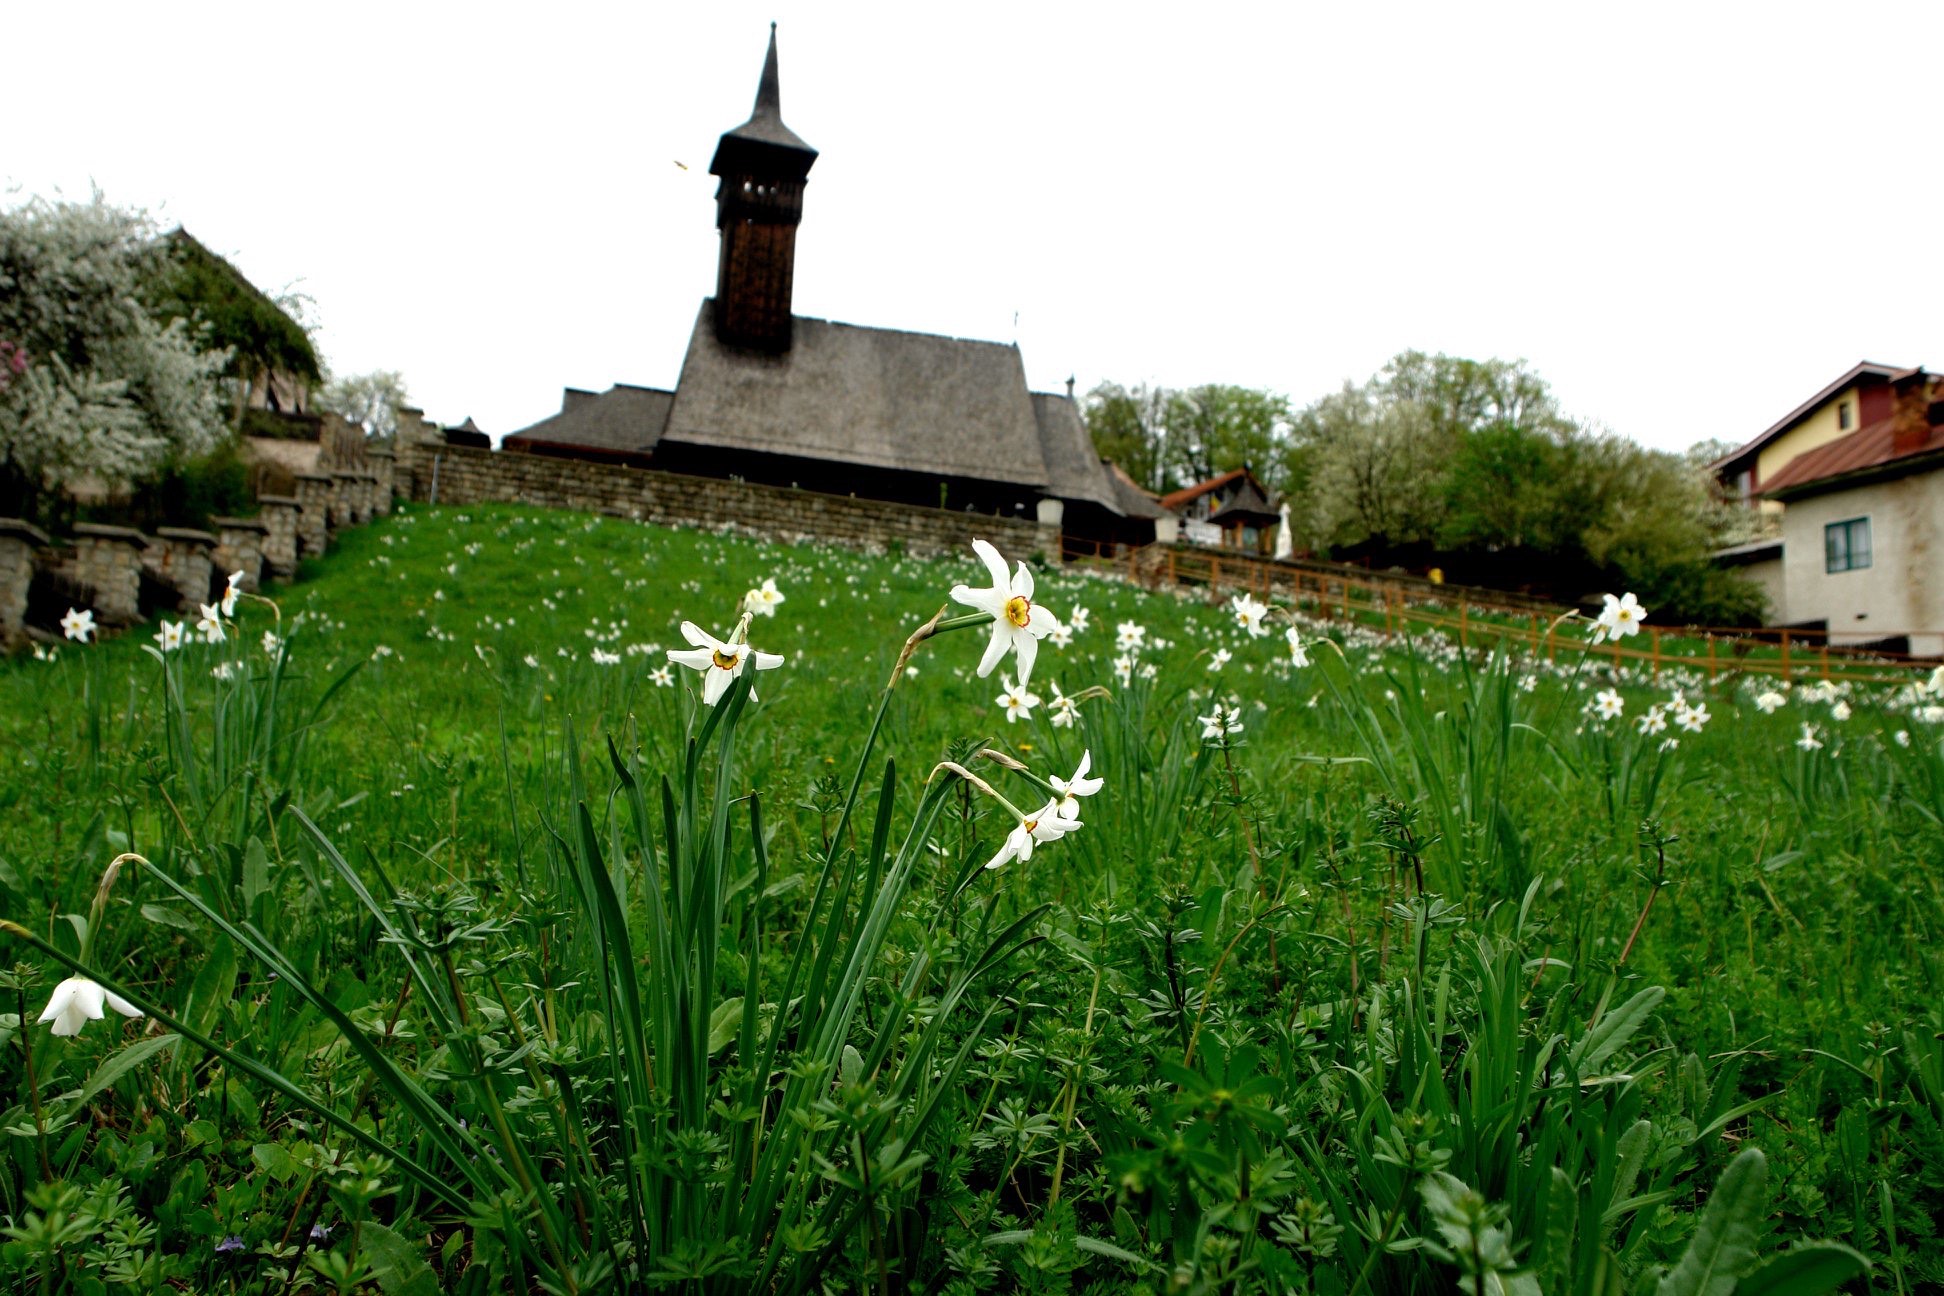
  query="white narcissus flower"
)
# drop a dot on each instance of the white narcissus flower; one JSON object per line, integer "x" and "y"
{"x": 1840, "y": 711}
{"x": 1221, "y": 658}
{"x": 1225, "y": 721}
{"x": 77, "y": 1001}
{"x": 1609, "y": 704}
{"x": 1129, "y": 636}
{"x": 1043, "y": 825}
{"x": 719, "y": 662}
{"x": 171, "y": 634}
{"x": 231, "y": 592}
{"x": 1061, "y": 637}
{"x": 1298, "y": 650}
{"x": 1619, "y": 618}
{"x": 1692, "y": 718}
{"x": 1809, "y": 741}
{"x": 1067, "y": 805}
{"x": 78, "y": 626}
{"x": 661, "y": 677}
{"x": 1078, "y": 620}
{"x": 1655, "y": 721}
{"x": 1065, "y": 710}
{"x": 210, "y": 627}
{"x": 1017, "y": 624}
{"x": 1016, "y": 700}
{"x": 1769, "y": 701}
{"x": 764, "y": 601}
{"x": 1249, "y": 611}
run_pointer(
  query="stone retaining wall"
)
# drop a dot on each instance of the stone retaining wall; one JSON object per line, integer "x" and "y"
{"x": 468, "y": 476}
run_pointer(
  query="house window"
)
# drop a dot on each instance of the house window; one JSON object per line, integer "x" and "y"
{"x": 1843, "y": 417}
{"x": 1846, "y": 545}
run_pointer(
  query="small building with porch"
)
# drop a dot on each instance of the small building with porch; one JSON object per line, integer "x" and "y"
{"x": 1229, "y": 511}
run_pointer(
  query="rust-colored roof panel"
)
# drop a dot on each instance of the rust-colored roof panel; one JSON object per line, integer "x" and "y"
{"x": 1862, "y": 370}
{"x": 1178, "y": 498}
{"x": 1865, "y": 448}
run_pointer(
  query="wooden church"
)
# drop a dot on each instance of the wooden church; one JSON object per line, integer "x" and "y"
{"x": 767, "y": 395}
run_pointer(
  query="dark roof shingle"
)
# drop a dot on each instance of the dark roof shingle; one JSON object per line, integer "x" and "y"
{"x": 915, "y": 402}
{"x": 622, "y": 419}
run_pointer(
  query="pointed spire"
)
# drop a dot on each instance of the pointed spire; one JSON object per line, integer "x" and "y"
{"x": 769, "y": 95}
{"x": 765, "y": 124}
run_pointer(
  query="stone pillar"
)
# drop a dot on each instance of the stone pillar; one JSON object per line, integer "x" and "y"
{"x": 18, "y": 540}
{"x": 417, "y": 444}
{"x": 282, "y": 518}
{"x": 343, "y": 506}
{"x": 239, "y": 547}
{"x": 384, "y": 472}
{"x": 108, "y": 563}
{"x": 314, "y": 526}
{"x": 181, "y": 559}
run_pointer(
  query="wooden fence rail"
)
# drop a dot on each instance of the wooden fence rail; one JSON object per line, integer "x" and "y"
{"x": 1399, "y": 604}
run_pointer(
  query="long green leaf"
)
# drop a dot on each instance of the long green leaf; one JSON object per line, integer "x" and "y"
{"x": 1723, "y": 1246}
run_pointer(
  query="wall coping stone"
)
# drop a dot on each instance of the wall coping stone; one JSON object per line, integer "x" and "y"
{"x": 127, "y": 535}
{"x": 287, "y": 501}
{"x": 19, "y": 530}
{"x": 378, "y": 452}
{"x": 239, "y": 524}
{"x": 187, "y": 535}
{"x": 316, "y": 477}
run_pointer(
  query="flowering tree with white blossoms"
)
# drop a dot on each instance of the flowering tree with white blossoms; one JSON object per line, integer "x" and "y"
{"x": 107, "y": 388}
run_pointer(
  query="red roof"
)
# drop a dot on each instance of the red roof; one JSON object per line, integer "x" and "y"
{"x": 1866, "y": 448}
{"x": 1199, "y": 489}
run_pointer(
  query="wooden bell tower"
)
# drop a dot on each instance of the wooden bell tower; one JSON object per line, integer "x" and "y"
{"x": 763, "y": 167}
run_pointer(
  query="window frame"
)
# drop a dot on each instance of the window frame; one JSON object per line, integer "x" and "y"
{"x": 1841, "y": 553}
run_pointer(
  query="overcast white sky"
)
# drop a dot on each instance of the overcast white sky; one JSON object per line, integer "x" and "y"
{"x": 1686, "y": 217}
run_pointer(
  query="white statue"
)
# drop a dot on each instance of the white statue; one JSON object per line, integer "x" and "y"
{"x": 1285, "y": 542}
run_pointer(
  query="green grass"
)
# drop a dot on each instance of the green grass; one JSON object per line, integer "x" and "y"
{"x": 507, "y": 968}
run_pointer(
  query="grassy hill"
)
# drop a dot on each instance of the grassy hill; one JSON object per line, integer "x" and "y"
{"x": 523, "y": 967}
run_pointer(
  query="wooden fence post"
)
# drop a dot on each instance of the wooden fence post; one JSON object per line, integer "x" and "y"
{"x": 1785, "y": 655}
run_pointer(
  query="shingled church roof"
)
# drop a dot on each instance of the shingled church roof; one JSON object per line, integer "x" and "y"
{"x": 1073, "y": 467}
{"x": 874, "y": 397}
{"x": 621, "y": 420}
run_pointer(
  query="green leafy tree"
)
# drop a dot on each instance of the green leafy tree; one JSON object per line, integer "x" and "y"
{"x": 1459, "y": 396}
{"x": 110, "y": 387}
{"x": 1129, "y": 425}
{"x": 1218, "y": 427}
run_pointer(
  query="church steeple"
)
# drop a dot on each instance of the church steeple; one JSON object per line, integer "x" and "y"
{"x": 763, "y": 167}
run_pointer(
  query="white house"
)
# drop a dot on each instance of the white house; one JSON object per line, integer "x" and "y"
{"x": 1863, "y": 526}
